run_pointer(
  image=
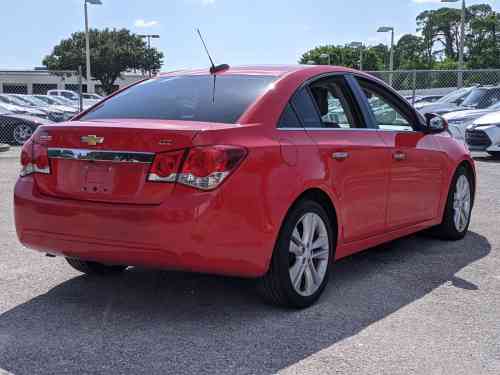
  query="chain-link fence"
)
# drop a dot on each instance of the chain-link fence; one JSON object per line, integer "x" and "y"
{"x": 416, "y": 83}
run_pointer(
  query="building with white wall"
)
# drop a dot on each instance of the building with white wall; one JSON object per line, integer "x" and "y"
{"x": 39, "y": 81}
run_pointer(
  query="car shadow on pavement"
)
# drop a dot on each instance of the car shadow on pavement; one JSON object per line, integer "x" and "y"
{"x": 487, "y": 159}
{"x": 149, "y": 322}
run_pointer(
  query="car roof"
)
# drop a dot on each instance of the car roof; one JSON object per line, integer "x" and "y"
{"x": 266, "y": 70}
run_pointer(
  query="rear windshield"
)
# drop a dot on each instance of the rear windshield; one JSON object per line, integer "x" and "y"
{"x": 189, "y": 98}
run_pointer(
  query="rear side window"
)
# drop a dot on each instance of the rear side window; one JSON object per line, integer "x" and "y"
{"x": 304, "y": 105}
{"x": 188, "y": 98}
{"x": 289, "y": 119}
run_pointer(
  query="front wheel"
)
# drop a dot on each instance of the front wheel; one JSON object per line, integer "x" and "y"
{"x": 456, "y": 218}
{"x": 495, "y": 154}
{"x": 300, "y": 264}
{"x": 94, "y": 268}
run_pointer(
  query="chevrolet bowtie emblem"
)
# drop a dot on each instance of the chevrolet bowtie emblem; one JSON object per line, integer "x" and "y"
{"x": 92, "y": 140}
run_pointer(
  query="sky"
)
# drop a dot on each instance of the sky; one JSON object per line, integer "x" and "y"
{"x": 237, "y": 32}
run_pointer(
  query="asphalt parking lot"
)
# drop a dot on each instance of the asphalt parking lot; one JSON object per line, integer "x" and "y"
{"x": 415, "y": 306}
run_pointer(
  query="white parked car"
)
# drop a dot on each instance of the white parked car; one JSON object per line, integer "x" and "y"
{"x": 74, "y": 97}
{"x": 484, "y": 134}
{"x": 458, "y": 121}
{"x": 16, "y": 106}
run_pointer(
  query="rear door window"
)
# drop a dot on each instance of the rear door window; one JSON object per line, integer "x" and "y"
{"x": 188, "y": 98}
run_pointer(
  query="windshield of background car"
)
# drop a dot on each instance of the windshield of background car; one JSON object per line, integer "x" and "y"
{"x": 454, "y": 95}
{"x": 4, "y": 111}
{"x": 36, "y": 101}
{"x": 188, "y": 98}
{"x": 20, "y": 102}
{"x": 480, "y": 98}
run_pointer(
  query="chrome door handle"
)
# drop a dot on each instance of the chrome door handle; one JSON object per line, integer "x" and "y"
{"x": 399, "y": 156}
{"x": 340, "y": 155}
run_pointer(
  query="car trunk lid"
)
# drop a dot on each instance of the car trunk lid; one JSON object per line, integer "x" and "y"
{"x": 109, "y": 161}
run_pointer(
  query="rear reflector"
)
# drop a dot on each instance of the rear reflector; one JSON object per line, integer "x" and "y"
{"x": 34, "y": 159}
{"x": 203, "y": 168}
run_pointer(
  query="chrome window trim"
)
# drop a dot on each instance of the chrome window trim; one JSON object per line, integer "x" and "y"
{"x": 351, "y": 129}
{"x": 101, "y": 155}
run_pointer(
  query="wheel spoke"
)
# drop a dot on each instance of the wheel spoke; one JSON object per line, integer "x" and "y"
{"x": 456, "y": 218}
{"x": 321, "y": 254}
{"x": 314, "y": 273}
{"x": 309, "y": 285}
{"x": 296, "y": 273}
{"x": 320, "y": 243}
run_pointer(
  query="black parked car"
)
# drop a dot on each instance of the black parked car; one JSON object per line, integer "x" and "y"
{"x": 17, "y": 129}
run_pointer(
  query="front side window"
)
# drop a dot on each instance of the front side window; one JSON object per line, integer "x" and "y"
{"x": 387, "y": 114}
{"x": 185, "y": 98}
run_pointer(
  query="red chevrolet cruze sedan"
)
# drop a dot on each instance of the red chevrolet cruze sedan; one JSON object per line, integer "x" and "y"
{"x": 262, "y": 172}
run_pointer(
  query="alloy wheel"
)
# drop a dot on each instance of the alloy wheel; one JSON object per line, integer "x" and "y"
{"x": 461, "y": 203}
{"x": 22, "y": 133}
{"x": 309, "y": 253}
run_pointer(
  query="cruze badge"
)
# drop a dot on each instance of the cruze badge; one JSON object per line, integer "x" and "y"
{"x": 92, "y": 140}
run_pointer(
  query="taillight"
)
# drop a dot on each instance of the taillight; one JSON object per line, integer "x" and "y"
{"x": 34, "y": 159}
{"x": 166, "y": 166}
{"x": 203, "y": 168}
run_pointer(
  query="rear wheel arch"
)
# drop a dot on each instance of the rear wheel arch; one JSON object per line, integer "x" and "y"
{"x": 319, "y": 196}
{"x": 470, "y": 170}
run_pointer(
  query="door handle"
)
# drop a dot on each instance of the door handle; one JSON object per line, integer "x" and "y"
{"x": 399, "y": 156}
{"x": 340, "y": 155}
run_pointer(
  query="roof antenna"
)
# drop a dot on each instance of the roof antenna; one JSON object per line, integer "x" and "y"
{"x": 213, "y": 69}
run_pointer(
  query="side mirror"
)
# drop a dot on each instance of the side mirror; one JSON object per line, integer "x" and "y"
{"x": 435, "y": 123}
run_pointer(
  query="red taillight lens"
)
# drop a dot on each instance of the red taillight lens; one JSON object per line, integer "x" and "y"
{"x": 34, "y": 159}
{"x": 203, "y": 168}
{"x": 27, "y": 153}
{"x": 206, "y": 167}
{"x": 165, "y": 166}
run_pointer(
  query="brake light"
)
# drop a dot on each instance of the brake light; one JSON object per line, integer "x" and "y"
{"x": 165, "y": 166}
{"x": 203, "y": 168}
{"x": 206, "y": 167}
{"x": 34, "y": 159}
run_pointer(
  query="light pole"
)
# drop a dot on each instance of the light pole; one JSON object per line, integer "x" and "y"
{"x": 149, "y": 37}
{"x": 87, "y": 40}
{"x": 386, "y": 29}
{"x": 326, "y": 56}
{"x": 462, "y": 42}
{"x": 360, "y": 46}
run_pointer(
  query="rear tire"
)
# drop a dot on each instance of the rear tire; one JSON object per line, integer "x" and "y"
{"x": 457, "y": 213}
{"x": 94, "y": 268}
{"x": 495, "y": 154}
{"x": 301, "y": 260}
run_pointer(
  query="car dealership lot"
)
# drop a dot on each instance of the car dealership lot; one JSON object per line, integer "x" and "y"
{"x": 415, "y": 306}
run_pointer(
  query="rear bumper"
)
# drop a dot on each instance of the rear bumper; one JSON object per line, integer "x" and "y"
{"x": 209, "y": 232}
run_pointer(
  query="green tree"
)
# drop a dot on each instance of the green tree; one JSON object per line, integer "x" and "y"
{"x": 482, "y": 40}
{"x": 344, "y": 56}
{"x": 112, "y": 53}
{"x": 410, "y": 53}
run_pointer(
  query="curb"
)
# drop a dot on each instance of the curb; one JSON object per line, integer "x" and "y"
{"x": 4, "y": 147}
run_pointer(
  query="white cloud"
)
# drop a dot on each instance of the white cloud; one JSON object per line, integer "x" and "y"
{"x": 426, "y": 1}
{"x": 208, "y": 2}
{"x": 143, "y": 23}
